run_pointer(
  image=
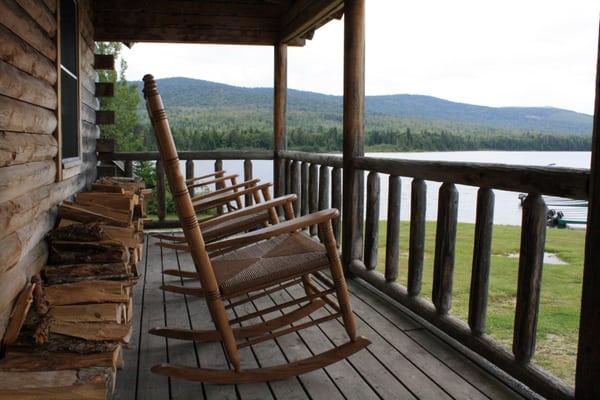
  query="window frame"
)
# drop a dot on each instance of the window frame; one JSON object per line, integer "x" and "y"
{"x": 73, "y": 162}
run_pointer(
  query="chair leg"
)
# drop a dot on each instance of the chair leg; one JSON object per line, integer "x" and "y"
{"x": 219, "y": 316}
{"x": 338, "y": 279}
{"x": 306, "y": 283}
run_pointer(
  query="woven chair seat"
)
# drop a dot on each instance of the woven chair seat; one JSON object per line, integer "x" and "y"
{"x": 235, "y": 225}
{"x": 269, "y": 262}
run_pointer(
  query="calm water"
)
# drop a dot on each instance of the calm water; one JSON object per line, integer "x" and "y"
{"x": 507, "y": 210}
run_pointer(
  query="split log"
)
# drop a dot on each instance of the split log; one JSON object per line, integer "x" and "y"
{"x": 88, "y": 383}
{"x": 117, "y": 214}
{"x": 86, "y": 292}
{"x": 78, "y": 232}
{"x": 56, "y": 274}
{"x": 40, "y": 300}
{"x": 121, "y": 201}
{"x": 63, "y": 344}
{"x": 105, "y": 312}
{"x": 28, "y": 361}
{"x": 84, "y": 214}
{"x": 93, "y": 331}
{"x": 108, "y": 251}
{"x": 128, "y": 236}
{"x": 19, "y": 312}
{"x": 18, "y": 148}
{"x": 100, "y": 187}
{"x": 134, "y": 185}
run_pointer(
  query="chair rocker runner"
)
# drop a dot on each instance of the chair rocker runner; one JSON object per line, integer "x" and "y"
{"x": 268, "y": 259}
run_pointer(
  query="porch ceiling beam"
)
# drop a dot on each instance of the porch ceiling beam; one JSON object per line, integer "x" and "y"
{"x": 254, "y": 23}
{"x": 306, "y": 15}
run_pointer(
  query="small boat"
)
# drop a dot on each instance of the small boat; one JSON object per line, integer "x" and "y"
{"x": 559, "y": 202}
{"x": 566, "y": 218}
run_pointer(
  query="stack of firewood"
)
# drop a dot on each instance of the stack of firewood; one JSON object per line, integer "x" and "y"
{"x": 65, "y": 334}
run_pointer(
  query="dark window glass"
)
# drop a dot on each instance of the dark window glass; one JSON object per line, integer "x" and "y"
{"x": 69, "y": 100}
{"x": 68, "y": 35}
{"x": 70, "y": 142}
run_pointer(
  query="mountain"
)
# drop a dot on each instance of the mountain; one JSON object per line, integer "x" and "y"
{"x": 217, "y": 101}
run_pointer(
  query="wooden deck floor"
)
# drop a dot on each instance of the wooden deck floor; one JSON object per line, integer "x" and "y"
{"x": 405, "y": 360}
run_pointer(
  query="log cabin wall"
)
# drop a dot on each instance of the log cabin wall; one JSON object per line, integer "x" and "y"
{"x": 30, "y": 187}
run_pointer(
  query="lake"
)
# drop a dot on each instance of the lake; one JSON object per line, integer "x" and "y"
{"x": 507, "y": 210}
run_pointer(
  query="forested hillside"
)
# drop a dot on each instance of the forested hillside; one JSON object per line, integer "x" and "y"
{"x": 206, "y": 115}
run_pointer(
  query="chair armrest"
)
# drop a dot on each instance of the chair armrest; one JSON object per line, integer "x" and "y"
{"x": 250, "y": 210}
{"x": 226, "y": 189}
{"x": 224, "y": 197}
{"x": 217, "y": 180}
{"x": 198, "y": 178}
{"x": 282, "y": 228}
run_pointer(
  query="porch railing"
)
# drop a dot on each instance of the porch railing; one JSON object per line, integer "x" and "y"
{"x": 317, "y": 181}
{"x": 189, "y": 157}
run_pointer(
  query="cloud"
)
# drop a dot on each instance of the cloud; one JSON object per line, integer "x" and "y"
{"x": 510, "y": 53}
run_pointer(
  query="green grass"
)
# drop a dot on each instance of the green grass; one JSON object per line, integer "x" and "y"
{"x": 560, "y": 294}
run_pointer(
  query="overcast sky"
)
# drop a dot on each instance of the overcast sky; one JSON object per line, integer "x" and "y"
{"x": 502, "y": 53}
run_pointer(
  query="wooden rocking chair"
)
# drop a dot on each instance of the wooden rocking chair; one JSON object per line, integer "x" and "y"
{"x": 267, "y": 259}
{"x": 237, "y": 219}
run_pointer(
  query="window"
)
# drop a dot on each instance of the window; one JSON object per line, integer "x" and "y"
{"x": 69, "y": 82}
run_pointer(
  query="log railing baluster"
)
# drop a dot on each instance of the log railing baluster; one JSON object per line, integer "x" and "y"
{"x": 323, "y": 187}
{"x": 304, "y": 188}
{"x": 247, "y": 177}
{"x": 445, "y": 243}
{"x": 288, "y": 176}
{"x": 323, "y": 190}
{"x": 336, "y": 201}
{"x": 372, "y": 221}
{"x": 189, "y": 173}
{"x": 128, "y": 169}
{"x": 482, "y": 252}
{"x": 160, "y": 191}
{"x": 392, "y": 244}
{"x": 296, "y": 185}
{"x": 313, "y": 193}
{"x": 219, "y": 185}
{"x": 531, "y": 260}
{"x": 416, "y": 247}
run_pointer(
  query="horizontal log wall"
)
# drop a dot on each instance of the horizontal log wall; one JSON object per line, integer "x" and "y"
{"x": 29, "y": 102}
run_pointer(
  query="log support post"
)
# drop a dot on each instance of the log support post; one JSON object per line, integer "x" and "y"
{"x": 279, "y": 113}
{"x": 354, "y": 129}
{"x": 587, "y": 379}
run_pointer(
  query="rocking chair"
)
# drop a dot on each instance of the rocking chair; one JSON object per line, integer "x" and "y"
{"x": 268, "y": 259}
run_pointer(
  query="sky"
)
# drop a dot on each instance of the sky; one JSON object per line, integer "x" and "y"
{"x": 502, "y": 53}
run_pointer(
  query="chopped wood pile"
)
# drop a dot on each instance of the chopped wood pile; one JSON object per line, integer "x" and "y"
{"x": 66, "y": 331}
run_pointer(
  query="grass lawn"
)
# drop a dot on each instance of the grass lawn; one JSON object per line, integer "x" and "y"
{"x": 561, "y": 288}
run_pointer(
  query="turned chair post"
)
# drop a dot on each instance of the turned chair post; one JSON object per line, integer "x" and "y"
{"x": 189, "y": 221}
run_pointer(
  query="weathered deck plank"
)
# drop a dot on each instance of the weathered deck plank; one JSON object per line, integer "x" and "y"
{"x": 180, "y": 351}
{"x": 405, "y": 360}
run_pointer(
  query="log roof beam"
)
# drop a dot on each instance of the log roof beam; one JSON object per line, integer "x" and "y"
{"x": 247, "y": 22}
{"x": 305, "y": 16}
